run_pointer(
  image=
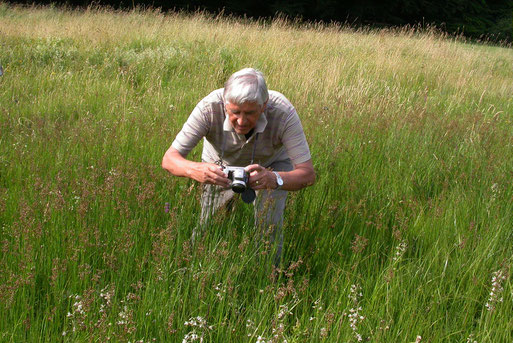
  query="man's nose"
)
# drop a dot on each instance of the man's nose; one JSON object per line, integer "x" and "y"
{"x": 242, "y": 120}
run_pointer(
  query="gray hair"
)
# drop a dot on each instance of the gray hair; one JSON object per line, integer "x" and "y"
{"x": 246, "y": 85}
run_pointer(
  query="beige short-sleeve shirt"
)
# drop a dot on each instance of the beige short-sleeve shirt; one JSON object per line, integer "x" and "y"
{"x": 278, "y": 134}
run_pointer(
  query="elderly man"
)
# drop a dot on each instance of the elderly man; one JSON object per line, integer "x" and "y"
{"x": 244, "y": 124}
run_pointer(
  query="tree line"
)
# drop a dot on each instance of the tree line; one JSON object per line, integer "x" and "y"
{"x": 477, "y": 19}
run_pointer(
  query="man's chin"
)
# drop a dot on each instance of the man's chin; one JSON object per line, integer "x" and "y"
{"x": 242, "y": 131}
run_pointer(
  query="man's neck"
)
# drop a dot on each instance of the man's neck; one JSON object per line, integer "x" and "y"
{"x": 249, "y": 133}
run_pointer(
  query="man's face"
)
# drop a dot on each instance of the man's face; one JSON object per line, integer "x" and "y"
{"x": 244, "y": 117}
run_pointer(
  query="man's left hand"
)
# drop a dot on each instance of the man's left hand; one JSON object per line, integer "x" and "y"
{"x": 260, "y": 177}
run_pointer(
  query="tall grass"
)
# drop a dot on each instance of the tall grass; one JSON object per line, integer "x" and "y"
{"x": 407, "y": 235}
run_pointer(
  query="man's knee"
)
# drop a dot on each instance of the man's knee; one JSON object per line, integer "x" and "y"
{"x": 269, "y": 208}
{"x": 213, "y": 200}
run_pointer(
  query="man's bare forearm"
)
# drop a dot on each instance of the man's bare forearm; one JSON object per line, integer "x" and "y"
{"x": 298, "y": 178}
{"x": 176, "y": 164}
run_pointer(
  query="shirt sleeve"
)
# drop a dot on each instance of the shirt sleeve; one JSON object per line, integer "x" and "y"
{"x": 294, "y": 139}
{"x": 195, "y": 128}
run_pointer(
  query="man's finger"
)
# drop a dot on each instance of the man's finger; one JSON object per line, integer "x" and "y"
{"x": 254, "y": 167}
{"x": 258, "y": 183}
{"x": 214, "y": 168}
{"x": 221, "y": 179}
{"x": 218, "y": 181}
{"x": 217, "y": 170}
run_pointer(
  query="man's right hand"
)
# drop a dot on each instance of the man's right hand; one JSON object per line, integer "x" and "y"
{"x": 210, "y": 173}
{"x": 202, "y": 172}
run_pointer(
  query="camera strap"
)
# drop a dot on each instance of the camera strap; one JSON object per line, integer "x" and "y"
{"x": 223, "y": 146}
{"x": 254, "y": 148}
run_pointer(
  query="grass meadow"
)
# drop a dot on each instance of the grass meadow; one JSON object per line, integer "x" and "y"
{"x": 407, "y": 236}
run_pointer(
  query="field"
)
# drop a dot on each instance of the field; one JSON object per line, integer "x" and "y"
{"x": 407, "y": 235}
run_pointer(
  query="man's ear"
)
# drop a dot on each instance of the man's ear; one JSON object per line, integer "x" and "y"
{"x": 264, "y": 106}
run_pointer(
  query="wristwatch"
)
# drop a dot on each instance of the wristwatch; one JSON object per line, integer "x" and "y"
{"x": 279, "y": 180}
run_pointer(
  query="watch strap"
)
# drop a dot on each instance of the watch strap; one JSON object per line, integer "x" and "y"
{"x": 279, "y": 180}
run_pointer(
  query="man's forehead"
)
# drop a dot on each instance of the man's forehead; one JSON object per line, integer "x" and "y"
{"x": 249, "y": 105}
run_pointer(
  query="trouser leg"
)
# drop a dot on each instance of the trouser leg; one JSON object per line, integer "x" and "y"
{"x": 213, "y": 198}
{"x": 269, "y": 208}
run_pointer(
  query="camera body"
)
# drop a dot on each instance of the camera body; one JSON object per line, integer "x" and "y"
{"x": 239, "y": 177}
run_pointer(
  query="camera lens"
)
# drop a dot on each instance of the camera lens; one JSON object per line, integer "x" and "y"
{"x": 238, "y": 186}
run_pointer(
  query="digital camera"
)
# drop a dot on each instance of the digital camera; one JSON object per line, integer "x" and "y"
{"x": 239, "y": 177}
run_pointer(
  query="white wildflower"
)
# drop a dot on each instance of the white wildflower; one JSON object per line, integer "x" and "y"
{"x": 400, "y": 250}
{"x": 124, "y": 316}
{"x": 284, "y": 311}
{"x": 470, "y": 339}
{"x": 192, "y": 337}
{"x": 317, "y": 305}
{"x": 355, "y": 316}
{"x": 221, "y": 291}
{"x": 495, "y": 191}
{"x": 495, "y": 297}
{"x": 196, "y": 323}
